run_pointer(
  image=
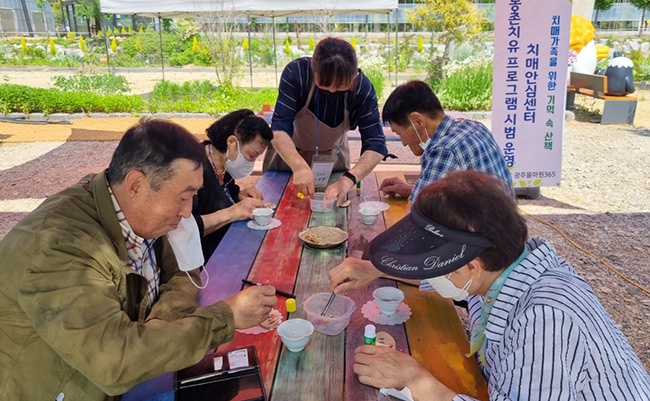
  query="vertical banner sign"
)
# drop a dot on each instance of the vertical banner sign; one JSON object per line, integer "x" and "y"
{"x": 530, "y": 73}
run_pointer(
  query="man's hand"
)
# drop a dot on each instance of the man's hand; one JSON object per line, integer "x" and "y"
{"x": 352, "y": 274}
{"x": 250, "y": 192}
{"x": 252, "y": 305}
{"x": 396, "y": 186}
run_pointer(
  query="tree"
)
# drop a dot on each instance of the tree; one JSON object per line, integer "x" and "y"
{"x": 57, "y": 12}
{"x": 642, "y": 5}
{"x": 218, "y": 29}
{"x": 455, "y": 20}
{"x": 602, "y": 5}
{"x": 91, "y": 10}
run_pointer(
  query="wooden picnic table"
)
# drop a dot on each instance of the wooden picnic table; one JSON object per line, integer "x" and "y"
{"x": 323, "y": 370}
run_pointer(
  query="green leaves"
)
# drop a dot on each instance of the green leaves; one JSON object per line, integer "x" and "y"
{"x": 102, "y": 84}
{"x": 205, "y": 97}
{"x": 24, "y": 99}
{"x": 468, "y": 87}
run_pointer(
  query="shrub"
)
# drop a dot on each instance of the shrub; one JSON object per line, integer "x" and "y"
{"x": 23, "y": 99}
{"x": 149, "y": 43}
{"x": 377, "y": 78}
{"x": 640, "y": 65}
{"x": 467, "y": 87}
{"x": 205, "y": 97}
{"x": 434, "y": 73}
{"x": 98, "y": 83}
{"x": 181, "y": 59}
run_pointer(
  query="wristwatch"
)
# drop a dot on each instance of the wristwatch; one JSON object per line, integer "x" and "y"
{"x": 350, "y": 176}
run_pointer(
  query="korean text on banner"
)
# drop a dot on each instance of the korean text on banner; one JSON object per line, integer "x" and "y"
{"x": 529, "y": 91}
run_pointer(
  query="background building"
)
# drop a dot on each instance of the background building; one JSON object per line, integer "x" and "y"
{"x": 25, "y": 17}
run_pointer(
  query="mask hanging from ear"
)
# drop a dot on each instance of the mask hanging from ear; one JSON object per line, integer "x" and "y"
{"x": 447, "y": 289}
{"x": 240, "y": 167}
{"x": 185, "y": 241}
{"x": 423, "y": 145}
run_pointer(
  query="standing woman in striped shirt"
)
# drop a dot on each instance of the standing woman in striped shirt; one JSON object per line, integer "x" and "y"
{"x": 320, "y": 99}
{"x": 538, "y": 330}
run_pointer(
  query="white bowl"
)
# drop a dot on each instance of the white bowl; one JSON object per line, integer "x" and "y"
{"x": 263, "y": 215}
{"x": 295, "y": 333}
{"x": 369, "y": 215}
{"x": 388, "y": 299}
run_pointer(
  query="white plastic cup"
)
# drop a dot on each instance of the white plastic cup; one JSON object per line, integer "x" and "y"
{"x": 295, "y": 333}
{"x": 388, "y": 299}
{"x": 263, "y": 215}
{"x": 369, "y": 215}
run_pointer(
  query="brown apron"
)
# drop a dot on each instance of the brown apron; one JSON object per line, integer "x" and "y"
{"x": 304, "y": 137}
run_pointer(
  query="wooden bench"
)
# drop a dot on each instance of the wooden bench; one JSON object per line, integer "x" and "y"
{"x": 616, "y": 109}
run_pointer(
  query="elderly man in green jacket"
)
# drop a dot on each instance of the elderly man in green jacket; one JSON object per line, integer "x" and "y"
{"x": 92, "y": 300}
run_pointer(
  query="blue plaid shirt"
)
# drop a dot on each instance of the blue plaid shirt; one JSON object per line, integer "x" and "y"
{"x": 460, "y": 145}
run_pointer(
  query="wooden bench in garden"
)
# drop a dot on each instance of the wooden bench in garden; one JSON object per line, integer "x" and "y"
{"x": 616, "y": 109}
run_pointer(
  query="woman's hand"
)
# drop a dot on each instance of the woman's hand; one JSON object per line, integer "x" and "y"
{"x": 243, "y": 209}
{"x": 384, "y": 367}
{"x": 338, "y": 190}
{"x": 303, "y": 179}
{"x": 250, "y": 192}
{"x": 352, "y": 274}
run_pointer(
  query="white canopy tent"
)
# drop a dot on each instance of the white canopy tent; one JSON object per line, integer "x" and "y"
{"x": 256, "y": 8}
{"x": 246, "y": 8}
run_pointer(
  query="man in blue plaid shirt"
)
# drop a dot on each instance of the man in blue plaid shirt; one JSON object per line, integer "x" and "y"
{"x": 444, "y": 143}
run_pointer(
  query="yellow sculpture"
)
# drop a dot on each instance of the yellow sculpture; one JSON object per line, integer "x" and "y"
{"x": 582, "y": 42}
{"x": 582, "y": 32}
{"x": 602, "y": 52}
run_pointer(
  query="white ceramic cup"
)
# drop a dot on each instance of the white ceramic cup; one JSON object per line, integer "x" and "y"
{"x": 295, "y": 333}
{"x": 388, "y": 299}
{"x": 369, "y": 215}
{"x": 263, "y": 215}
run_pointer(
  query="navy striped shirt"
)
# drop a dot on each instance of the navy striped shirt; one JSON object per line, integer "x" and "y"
{"x": 293, "y": 92}
{"x": 549, "y": 338}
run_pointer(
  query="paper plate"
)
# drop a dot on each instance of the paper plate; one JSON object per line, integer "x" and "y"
{"x": 323, "y": 237}
{"x": 273, "y": 224}
{"x": 370, "y": 310}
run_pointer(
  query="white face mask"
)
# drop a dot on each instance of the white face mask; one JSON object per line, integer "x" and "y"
{"x": 185, "y": 240}
{"x": 423, "y": 145}
{"x": 240, "y": 168}
{"x": 447, "y": 289}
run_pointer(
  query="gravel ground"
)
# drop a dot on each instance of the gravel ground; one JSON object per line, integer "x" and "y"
{"x": 602, "y": 204}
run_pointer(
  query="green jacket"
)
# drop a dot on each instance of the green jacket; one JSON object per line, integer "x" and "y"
{"x": 72, "y": 315}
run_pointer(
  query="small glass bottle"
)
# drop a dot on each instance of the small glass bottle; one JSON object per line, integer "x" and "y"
{"x": 370, "y": 334}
